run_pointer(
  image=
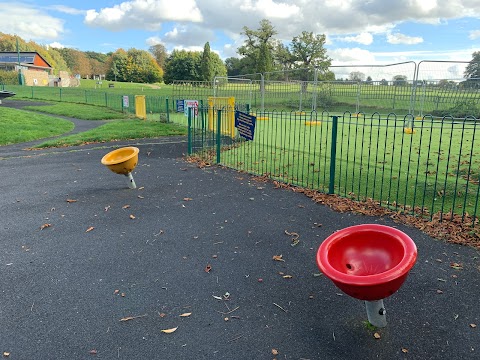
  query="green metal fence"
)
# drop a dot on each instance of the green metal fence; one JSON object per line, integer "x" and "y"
{"x": 430, "y": 170}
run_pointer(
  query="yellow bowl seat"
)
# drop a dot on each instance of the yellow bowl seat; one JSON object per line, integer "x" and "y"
{"x": 122, "y": 160}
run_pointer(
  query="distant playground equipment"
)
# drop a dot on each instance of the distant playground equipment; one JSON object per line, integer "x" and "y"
{"x": 228, "y": 116}
{"x": 123, "y": 161}
{"x": 140, "y": 107}
{"x": 368, "y": 262}
{"x": 5, "y": 94}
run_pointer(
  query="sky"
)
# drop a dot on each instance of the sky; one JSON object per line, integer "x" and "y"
{"x": 366, "y": 32}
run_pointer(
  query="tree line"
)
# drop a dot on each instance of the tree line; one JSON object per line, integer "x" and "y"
{"x": 261, "y": 52}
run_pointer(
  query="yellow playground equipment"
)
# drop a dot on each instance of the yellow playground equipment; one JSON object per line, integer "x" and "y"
{"x": 123, "y": 161}
{"x": 227, "y": 104}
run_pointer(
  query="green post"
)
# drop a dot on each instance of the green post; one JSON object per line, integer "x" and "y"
{"x": 189, "y": 131}
{"x": 168, "y": 110}
{"x": 106, "y": 102}
{"x": 32, "y": 91}
{"x": 219, "y": 124}
{"x": 60, "y": 94}
{"x": 333, "y": 154}
{"x": 86, "y": 100}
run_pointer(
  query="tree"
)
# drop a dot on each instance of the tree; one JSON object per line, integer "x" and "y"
{"x": 369, "y": 80}
{"x": 308, "y": 50}
{"x": 117, "y": 65}
{"x": 207, "y": 71}
{"x": 258, "y": 47}
{"x": 182, "y": 65}
{"x": 356, "y": 76}
{"x": 384, "y": 82}
{"x": 77, "y": 61}
{"x": 399, "y": 80}
{"x": 142, "y": 67}
{"x": 159, "y": 52}
{"x": 472, "y": 71}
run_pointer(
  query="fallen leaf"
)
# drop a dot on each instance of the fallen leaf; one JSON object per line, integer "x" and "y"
{"x": 141, "y": 188}
{"x": 140, "y": 197}
{"x": 404, "y": 350}
{"x": 376, "y": 335}
{"x": 208, "y": 268}
{"x": 275, "y": 352}
{"x": 439, "y": 292}
{"x": 93, "y": 352}
{"x": 45, "y": 226}
{"x": 185, "y": 314}
{"x": 128, "y": 318}
{"x": 187, "y": 199}
{"x": 169, "y": 331}
{"x": 116, "y": 292}
{"x": 125, "y": 207}
{"x": 473, "y": 326}
{"x": 71, "y": 200}
{"x": 278, "y": 258}
{"x": 456, "y": 266}
{"x": 287, "y": 276}
{"x": 6, "y": 354}
{"x": 217, "y": 297}
{"x": 89, "y": 229}
{"x": 107, "y": 208}
{"x": 162, "y": 315}
{"x": 132, "y": 216}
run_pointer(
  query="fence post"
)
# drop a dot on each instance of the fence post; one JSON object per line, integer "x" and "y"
{"x": 86, "y": 101}
{"x": 60, "y": 94}
{"x": 333, "y": 154}
{"x": 189, "y": 131}
{"x": 218, "y": 140}
{"x": 106, "y": 102}
{"x": 32, "y": 91}
{"x": 168, "y": 110}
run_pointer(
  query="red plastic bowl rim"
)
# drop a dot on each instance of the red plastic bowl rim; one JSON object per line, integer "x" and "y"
{"x": 403, "y": 267}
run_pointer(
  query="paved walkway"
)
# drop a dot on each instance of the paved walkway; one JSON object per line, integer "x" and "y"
{"x": 92, "y": 269}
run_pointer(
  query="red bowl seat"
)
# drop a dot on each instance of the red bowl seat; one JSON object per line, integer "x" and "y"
{"x": 368, "y": 262}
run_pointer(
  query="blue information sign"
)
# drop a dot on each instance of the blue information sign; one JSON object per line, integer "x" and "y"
{"x": 245, "y": 124}
{"x": 180, "y": 105}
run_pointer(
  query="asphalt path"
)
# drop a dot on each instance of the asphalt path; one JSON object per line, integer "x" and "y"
{"x": 92, "y": 269}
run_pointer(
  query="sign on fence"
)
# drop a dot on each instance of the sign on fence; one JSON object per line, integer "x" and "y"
{"x": 125, "y": 100}
{"x": 245, "y": 124}
{"x": 179, "y": 105}
{"x": 188, "y": 104}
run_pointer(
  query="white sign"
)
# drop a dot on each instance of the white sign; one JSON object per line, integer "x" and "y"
{"x": 125, "y": 101}
{"x": 188, "y": 104}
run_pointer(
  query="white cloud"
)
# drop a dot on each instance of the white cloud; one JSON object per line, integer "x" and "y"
{"x": 57, "y": 45}
{"x": 153, "y": 40}
{"x": 29, "y": 22}
{"x": 143, "y": 14}
{"x": 474, "y": 34}
{"x": 270, "y": 8}
{"x": 363, "y": 38}
{"x": 188, "y": 36}
{"x": 397, "y": 38}
{"x": 67, "y": 10}
{"x": 350, "y": 56}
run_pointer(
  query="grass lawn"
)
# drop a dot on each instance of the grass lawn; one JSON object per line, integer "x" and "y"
{"x": 17, "y": 126}
{"x": 79, "y": 111}
{"x": 119, "y": 130}
{"x": 436, "y": 168}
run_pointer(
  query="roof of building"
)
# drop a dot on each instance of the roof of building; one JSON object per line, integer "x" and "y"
{"x": 32, "y": 58}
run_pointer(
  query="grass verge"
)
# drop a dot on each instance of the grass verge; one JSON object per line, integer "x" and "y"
{"x": 79, "y": 111}
{"x": 17, "y": 126}
{"x": 118, "y": 130}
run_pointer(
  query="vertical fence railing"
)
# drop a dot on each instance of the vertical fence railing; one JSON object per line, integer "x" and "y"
{"x": 432, "y": 172}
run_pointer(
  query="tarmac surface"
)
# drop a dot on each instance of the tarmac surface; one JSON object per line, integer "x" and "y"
{"x": 92, "y": 269}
